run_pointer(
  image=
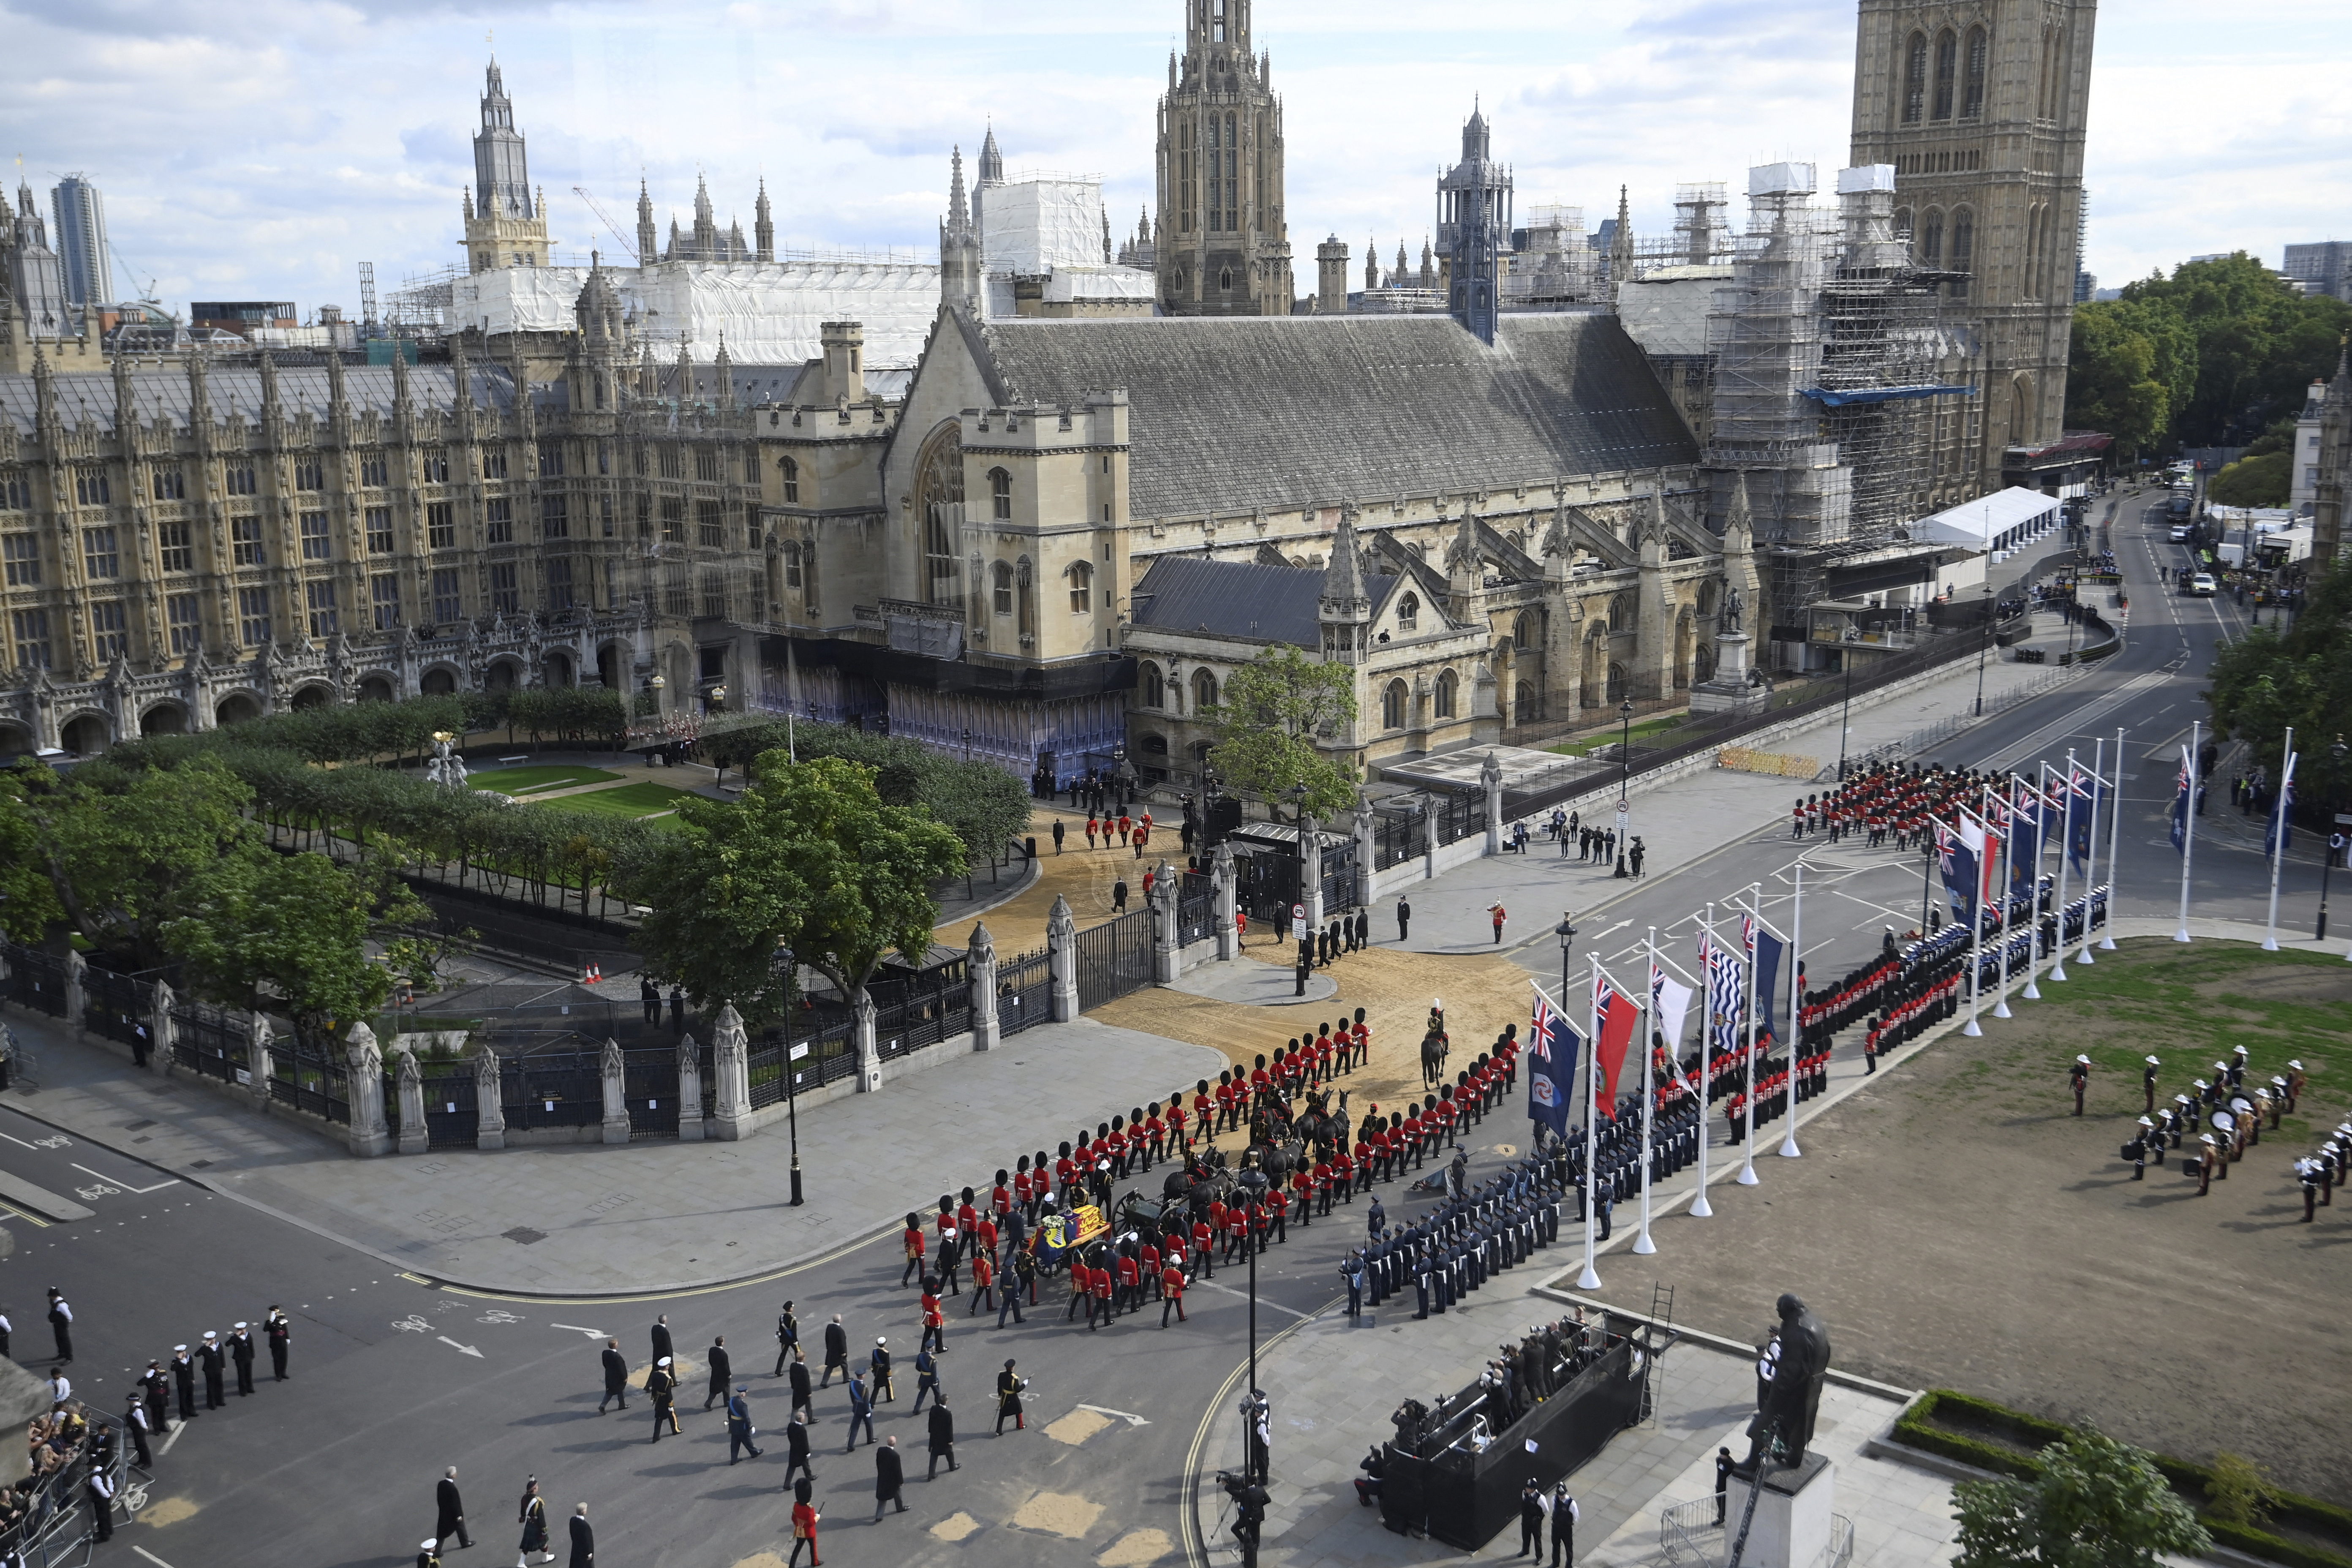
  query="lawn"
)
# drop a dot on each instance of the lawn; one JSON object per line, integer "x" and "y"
{"x": 630, "y": 801}
{"x": 523, "y": 781}
{"x": 1646, "y": 727}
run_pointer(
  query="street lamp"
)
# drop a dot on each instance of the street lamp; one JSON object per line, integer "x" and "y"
{"x": 791, "y": 1075}
{"x": 1845, "y": 716}
{"x": 1983, "y": 647}
{"x": 1253, "y": 1183}
{"x": 1624, "y": 781}
{"x": 1566, "y": 932}
{"x": 967, "y": 745}
{"x": 2328, "y": 860}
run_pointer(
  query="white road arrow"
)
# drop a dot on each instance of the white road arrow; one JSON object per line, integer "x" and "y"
{"x": 591, "y": 1333}
{"x": 1123, "y": 1415}
{"x": 468, "y": 1349}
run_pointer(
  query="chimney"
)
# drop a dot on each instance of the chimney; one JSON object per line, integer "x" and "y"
{"x": 844, "y": 361}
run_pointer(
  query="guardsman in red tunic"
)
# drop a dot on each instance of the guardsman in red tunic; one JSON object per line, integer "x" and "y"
{"x": 984, "y": 1237}
{"x": 1237, "y": 1230}
{"x": 1171, "y": 1293}
{"x": 1082, "y": 1292}
{"x": 1204, "y": 1238}
{"x": 915, "y": 1245}
{"x": 1155, "y": 1135}
{"x": 983, "y": 1280}
{"x": 1130, "y": 1282}
{"x": 1000, "y": 1198}
{"x": 1323, "y": 1054}
{"x": 1102, "y": 1281}
{"x": 1224, "y": 1103}
{"x": 1148, "y": 1260}
{"x": 1343, "y": 1177}
{"x": 1093, "y": 826}
{"x": 934, "y": 1322}
{"x": 1320, "y": 1178}
{"x": 1302, "y": 1188}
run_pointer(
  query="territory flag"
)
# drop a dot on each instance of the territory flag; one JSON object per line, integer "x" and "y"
{"x": 2281, "y": 827}
{"x": 2180, "y": 806}
{"x": 1960, "y": 851}
{"x": 1727, "y": 997}
{"x": 2082, "y": 812}
{"x": 1619, "y": 1015}
{"x": 1768, "y": 949}
{"x": 1551, "y": 1066}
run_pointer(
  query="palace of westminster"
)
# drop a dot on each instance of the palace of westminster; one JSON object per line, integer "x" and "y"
{"x": 1039, "y": 501}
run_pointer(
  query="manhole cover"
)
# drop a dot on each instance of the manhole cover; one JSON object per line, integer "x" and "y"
{"x": 135, "y": 1126}
{"x": 522, "y": 1234}
{"x": 199, "y": 1164}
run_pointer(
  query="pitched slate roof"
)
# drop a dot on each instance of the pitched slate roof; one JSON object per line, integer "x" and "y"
{"x": 1236, "y": 414}
{"x": 301, "y": 389}
{"x": 1236, "y": 599}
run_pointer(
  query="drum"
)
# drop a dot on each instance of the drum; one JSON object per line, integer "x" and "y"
{"x": 2222, "y": 1121}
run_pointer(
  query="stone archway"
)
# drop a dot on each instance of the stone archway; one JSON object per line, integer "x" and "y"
{"x": 1524, "y": 707}
{"x": 1686, "y": 643}
{"x": 237, "y": 708}
{"x": 614, "y": 661}
{"x": 14, "y": 740}
{"x": 164, "y": 719}
{"x": 312, "y": 695}
{"x": 503, "y": 676}
{"x": 1621, "y": 683}
{"x": 86, "y": 734}
{"x": 557, "y": 670}
{"x": 377, "y": 688}
{"x": 438, "y": 682}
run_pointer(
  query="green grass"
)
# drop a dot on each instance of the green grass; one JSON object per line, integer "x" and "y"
{"x": 629, "y": 801}
{"x": 521, "y": 781}
{"x": 1646, "y": 727}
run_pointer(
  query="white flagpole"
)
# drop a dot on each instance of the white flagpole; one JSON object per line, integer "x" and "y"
{"x": 1747, "y": 1177}
{"x": 2277, "y": 828}
{"x": 2008, "y": 838}
{"x": 2090, "y": 842}
{"x": 1976, "y": 936}
{"x": 1699, "y": 1208}
{"x": 2188, "y": 834}
{"x": 1642, "y": 1243}
{"x": 1590, "y": 1278}
{"x": 2065, "y": 842}
{"x": 1789, "y": 1150}
{"x": 2114, "y": 838}
{"x": 2033, "y": 993}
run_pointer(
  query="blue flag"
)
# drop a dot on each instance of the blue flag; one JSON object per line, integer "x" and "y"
{"x": 2281, "y": 827}
{"x": 2180, "y": 807}
{"x": 1769, "y": 949}
{"x": 2081, "y": 813}
{"x": 1551, "y": 1066}
{"x": 1956, "y": 852}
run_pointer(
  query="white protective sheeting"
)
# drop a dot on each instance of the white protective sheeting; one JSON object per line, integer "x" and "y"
{"x": 1997, "y": 521}
{"x": 1078, "y": 283}
{"x": 765, "y": 312}
{"x": 1042, "y": 226}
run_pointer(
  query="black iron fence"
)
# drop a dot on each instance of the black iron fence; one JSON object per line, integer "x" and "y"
{"x": 649, "y": 1086}
{"x": 1396, "y": 835}
{"x": 116, "y": 1005}
{"x": 36, "y": 980}
{"x": 1113, "y": 958}
{"x": 452, "y": 1104}
{"x": 552, "y": 1088}
{"x": 1196, "y": 909}
{"x": 211, "y": 1041}
{"x": 1025, "y": 991}
{"x": 316, "y": 1082}
{"x": 1457, "y": 813}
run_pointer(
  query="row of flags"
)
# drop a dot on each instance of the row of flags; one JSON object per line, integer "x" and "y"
{"x": 2064, "y": 807}
{"x": 2278, "y": 836}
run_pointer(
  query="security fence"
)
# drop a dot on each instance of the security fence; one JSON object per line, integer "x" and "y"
{"x": 36, "y": 980}
{"x": 1113, "y": 958}
{"x": 1025, "y": 991}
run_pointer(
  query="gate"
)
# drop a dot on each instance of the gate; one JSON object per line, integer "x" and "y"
{"x": 115, "y": 1006}
{"x": 1024, "y": 992}
{"x": 36, "y": 980}
{"x": 558, "y": 1088}
{"x": 210, "y": 1041}
{"x": 452, "y": 1117}
{"x": 1459, "y": 813}
{"x": 649, "y": 1085}
{"x": 911, "y": 1014}
{"x": 1396, "y": 836}
{"x": 313, "y": 1081}
{"x": 1268, "y": 887}
{"x": 1113, "y": 958}
{"x": 1196, "y": 909}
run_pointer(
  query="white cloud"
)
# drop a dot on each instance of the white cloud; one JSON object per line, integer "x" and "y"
{"x": 272, "y": 168}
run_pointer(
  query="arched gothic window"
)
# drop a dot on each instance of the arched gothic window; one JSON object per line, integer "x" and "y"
{"x": 999, "y": 494}
{"x": 1150, "y": 691}
{"x": 939, "y": 506}
{"x": 1914, "y": 78}
{"x": 1947, "y": 52}
{"x": 1001, "y": 587}
{"x": 1082, "y": 587}
{"x": 1025, "y": 589}
{"x": 1448, "y": 683}
{"x": 1204, "y": 691}
{"x": 1931, "y": 238}
{"x": 1963, "y": 249}
{"x": 1523, "y": 630}
{"x": 1409, "y": 612}
{"x": 1972, "y": 83}
{"x": 1393, "y": 706}
{"x": 791, "y": 470}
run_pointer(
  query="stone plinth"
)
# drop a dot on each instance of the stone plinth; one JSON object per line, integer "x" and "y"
{"x": 1792, "y": 1524}
{"x": 1727, "y": 692}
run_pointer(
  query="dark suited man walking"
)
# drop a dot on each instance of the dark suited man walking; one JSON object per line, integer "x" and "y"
{"x": 583, "y": 1539}
{"x": 889, "y": 1476}
{"x": 617, "y": 1376}
{"x": 721, "y": 1369}
{"x": 450, "y": 1510}
{"x": 943, "y": 1439}
{"x": 661, "y": 1338}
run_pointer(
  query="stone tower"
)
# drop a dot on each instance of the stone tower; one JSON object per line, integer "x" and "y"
{"x": 1225, "y": 238}
{"x": 1343, "y": 607}
{"x": 1980, "y": 107}
{"x": 990, "y": 176}
{"x": 505, "y": 226}
{"x": 649, "y": 236}
{"x": 1331, "y": 277}
{"x": 960, "y": 278}
{"x": 1474, "y": 229}
{"x": 2335, "y": 465}
{"x": 763, "y": 225}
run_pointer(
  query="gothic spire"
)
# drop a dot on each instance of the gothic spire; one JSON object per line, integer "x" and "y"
{"x": 959, "y": 205}
{"x": 763, "y": 224}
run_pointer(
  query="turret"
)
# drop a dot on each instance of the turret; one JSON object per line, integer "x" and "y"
{"x": 649, "y": 236}
{"x": 1343, "y": 608}
{"x": 960, "y": 281}
{"x": 763, "y": 225}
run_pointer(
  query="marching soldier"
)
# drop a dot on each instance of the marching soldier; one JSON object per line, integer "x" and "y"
{"x": 2207, "y": 1157}
{"x": 788, "y": 1338}
{"x": 661, "y": 1388}
{"x": 1008, "y": 1399}
{"x": 2137, "y": 1149}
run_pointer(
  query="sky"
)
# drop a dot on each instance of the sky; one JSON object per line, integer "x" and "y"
{"x": 264, "y": 150}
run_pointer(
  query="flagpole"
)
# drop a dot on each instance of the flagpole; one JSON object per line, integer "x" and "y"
{"x": 2114, "y": 838}
{"x": 2008, "y": 842}
{"x": 1642, "y": 1243}
{"x": 1976, "y": 938}
{"x": 2188, "y": 834}
{"x": 1789, "y": 1150}
{"x": 1699, "y": 1208}
{"x": 2277, "y": 829}
{"x": 2065, "y": 821}
{"x": 1590, "y": 1278}
{"x": 1747, "y": 1177}
{"x": 2033, "y": 993}
{"x": 2090, "y": 843}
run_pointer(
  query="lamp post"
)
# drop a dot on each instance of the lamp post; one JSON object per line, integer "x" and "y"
{"x": 2328, "y": 858}
{"x": 1624, "y": 782}
{"x": 791, "y": 1074}
{"x": 1566, "y": 932}
{"x": 1252, "y": 1182}
{"x": 967, "y": 745}
{"x": 1983, "y": 647}
{"x": 1845, "y": 715}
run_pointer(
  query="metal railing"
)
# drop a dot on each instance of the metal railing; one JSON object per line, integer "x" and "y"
{"x": 1024, "y": 992}
{"x": 1691, "y": 1532}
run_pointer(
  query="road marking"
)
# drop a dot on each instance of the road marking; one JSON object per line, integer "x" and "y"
{"x": 591, "y": 1333}
{"x": 468, "y": 1349}
{"x": 151, "y": 1557}
{"x": 126, "y": 1185}
{"x": 20, "y": 1214}
{"x": 1123, "y": 1415}
{"x": 175, "y": 1435}
{"x": 1270, "y": 1306}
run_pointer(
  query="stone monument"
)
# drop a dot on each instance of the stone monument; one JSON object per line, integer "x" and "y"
{"x": 1778, "y": 1503}
{"x": 1729, "y": 689}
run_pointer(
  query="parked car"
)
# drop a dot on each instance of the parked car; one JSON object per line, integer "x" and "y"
{"x": 2180, "y": 533}
{"x": 2202, "y": 586}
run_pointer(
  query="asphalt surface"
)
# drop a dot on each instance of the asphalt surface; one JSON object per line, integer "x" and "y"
{"x": 395, "y": 1379}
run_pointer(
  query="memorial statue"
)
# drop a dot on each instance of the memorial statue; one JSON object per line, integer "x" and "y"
{"x": 444, "y": 766}
{"x": 1732, "y": 607}
{"x": 1789, "y": 1388}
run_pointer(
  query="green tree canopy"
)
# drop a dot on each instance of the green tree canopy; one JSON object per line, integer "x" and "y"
{"x": 2269, "y": 680}
{"x": 2263, "y": 479}
{"x": 810, "y": 858}
{"x": 1275, "y": 708}
{"x": 2131, "y": 368}
{"x": 2259, "y": 345}
{"x": 2097, "y": 1504}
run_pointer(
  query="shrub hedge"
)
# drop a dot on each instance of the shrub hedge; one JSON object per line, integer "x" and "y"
{"x": 1918, "y": 1427}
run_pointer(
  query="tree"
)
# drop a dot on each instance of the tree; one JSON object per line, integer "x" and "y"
{"x": 2097, "y": 1503}
{"x": 2264, "y": 479}
{"x": 294, "y": 926}
{"x": 811, "y": 859}
{"x": 2259, "y": 343}
{"x": 2131, "y": 367}
{"x": 1275, "y": 708}
{"x": 2270, "y": 680}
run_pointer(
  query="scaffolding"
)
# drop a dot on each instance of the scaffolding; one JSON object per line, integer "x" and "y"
{"x": 1551, "y": 262}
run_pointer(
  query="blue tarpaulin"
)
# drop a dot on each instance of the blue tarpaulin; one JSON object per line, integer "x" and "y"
{"x": 1881, "y": 393}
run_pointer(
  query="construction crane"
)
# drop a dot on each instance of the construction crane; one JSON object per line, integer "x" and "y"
{"x": 628, "y": 246}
